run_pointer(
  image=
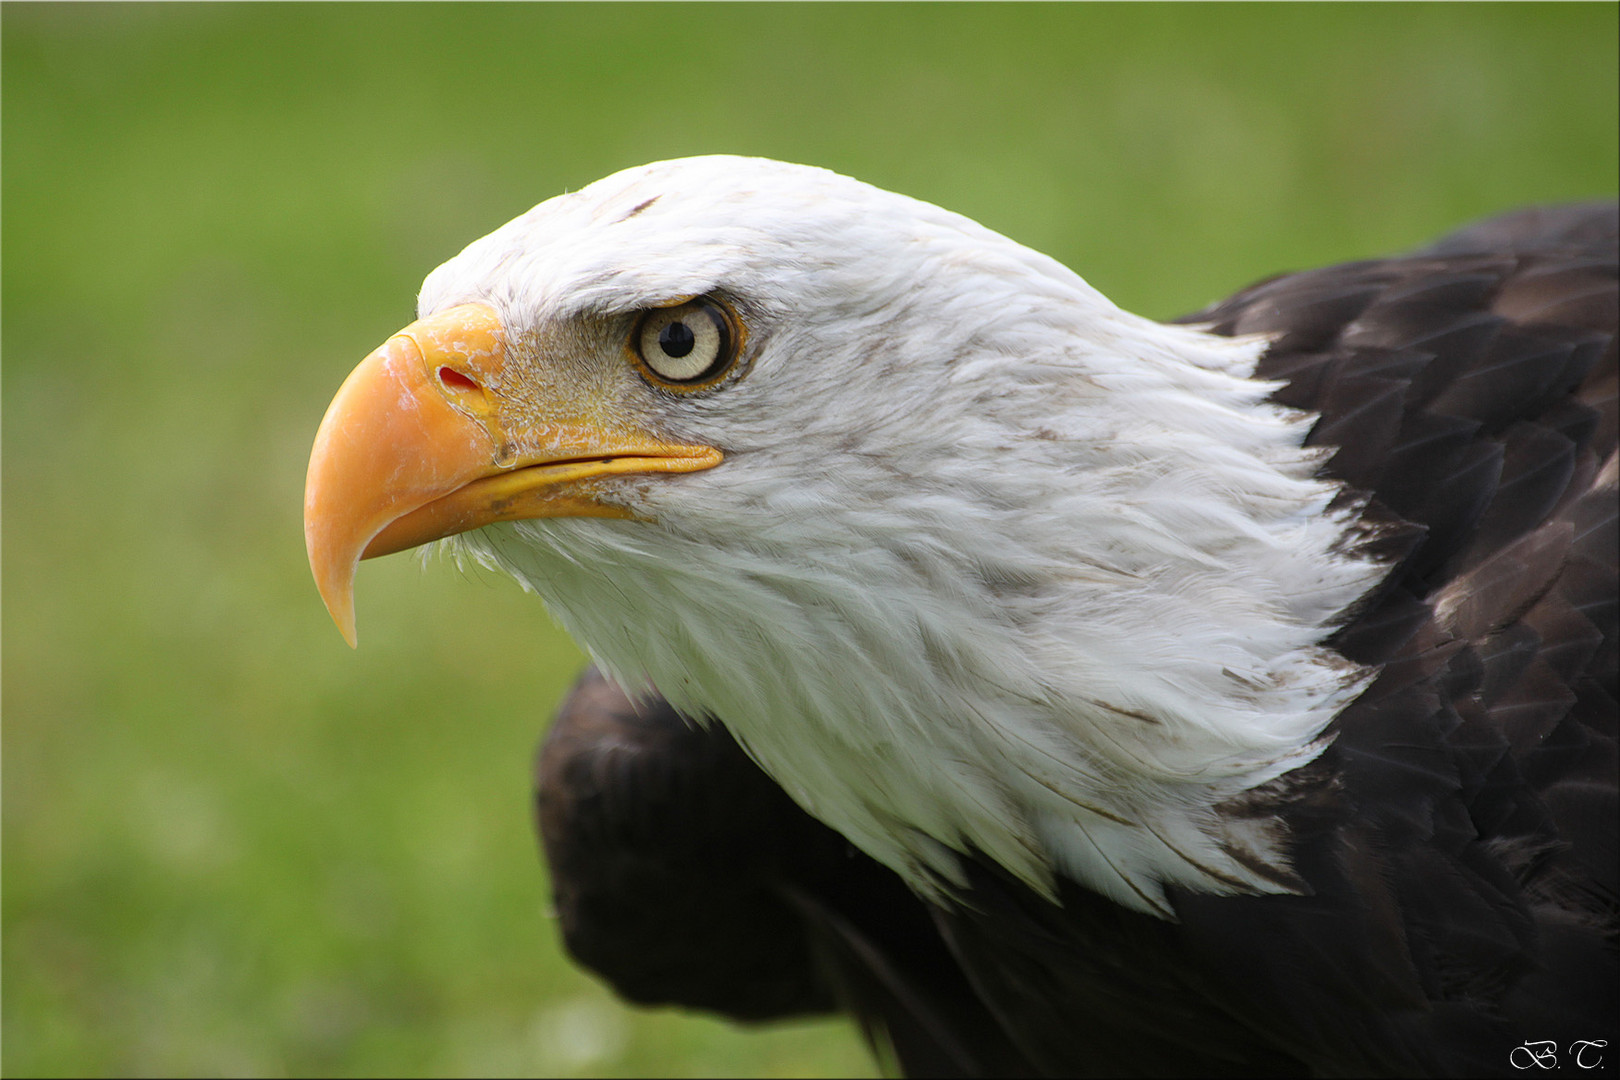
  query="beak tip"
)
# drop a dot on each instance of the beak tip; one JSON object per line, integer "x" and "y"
{"x": 334, "y": 580}
{"x": 341, "y": 607}
{"x": 340, "y": 602}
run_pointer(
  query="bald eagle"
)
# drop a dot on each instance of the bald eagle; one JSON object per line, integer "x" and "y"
{"x": 1057, "y": 690}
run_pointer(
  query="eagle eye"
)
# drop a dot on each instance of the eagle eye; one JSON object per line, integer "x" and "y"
{"x": 687, "y": 346}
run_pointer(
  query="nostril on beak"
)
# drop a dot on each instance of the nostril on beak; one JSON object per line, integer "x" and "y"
{"x": 455, "y": 380}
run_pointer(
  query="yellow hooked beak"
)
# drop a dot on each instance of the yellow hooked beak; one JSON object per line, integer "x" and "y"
{"x": 419, "y": 443}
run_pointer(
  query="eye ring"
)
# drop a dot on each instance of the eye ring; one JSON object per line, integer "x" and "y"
{"x": 687, "y": 346}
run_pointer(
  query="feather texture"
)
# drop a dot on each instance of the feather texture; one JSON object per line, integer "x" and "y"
{"x": 1230, "y": 697}
{"x": 991, "y": 564}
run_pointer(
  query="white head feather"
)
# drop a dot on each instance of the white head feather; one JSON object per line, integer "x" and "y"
{"x": 989, "y": 564}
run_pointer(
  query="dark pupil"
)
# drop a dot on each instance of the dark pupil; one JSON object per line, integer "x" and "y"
{"x": 676, "y": 339}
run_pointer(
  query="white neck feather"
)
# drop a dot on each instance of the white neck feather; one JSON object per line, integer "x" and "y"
{"x": 1067, "y": 665}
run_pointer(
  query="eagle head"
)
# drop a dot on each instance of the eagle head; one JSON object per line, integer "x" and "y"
{"x": 964, "y": 555}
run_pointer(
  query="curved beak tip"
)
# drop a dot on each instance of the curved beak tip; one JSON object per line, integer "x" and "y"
{"x": 333, "y": 551}
{"x": 345, "y": 625}
{"x": 337, "y": 593}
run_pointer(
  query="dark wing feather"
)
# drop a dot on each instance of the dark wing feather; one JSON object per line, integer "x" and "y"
{"x": 665, "y": 852}
{"x": 1480, "y": 770}
{"x": 1458, "y": 839}
{"x": 683, "y": 875}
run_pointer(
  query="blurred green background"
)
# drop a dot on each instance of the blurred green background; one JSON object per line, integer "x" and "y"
{"x": 231, "y": 845}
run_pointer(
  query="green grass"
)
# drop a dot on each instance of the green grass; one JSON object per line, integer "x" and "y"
{"x": 233, "y": 846}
